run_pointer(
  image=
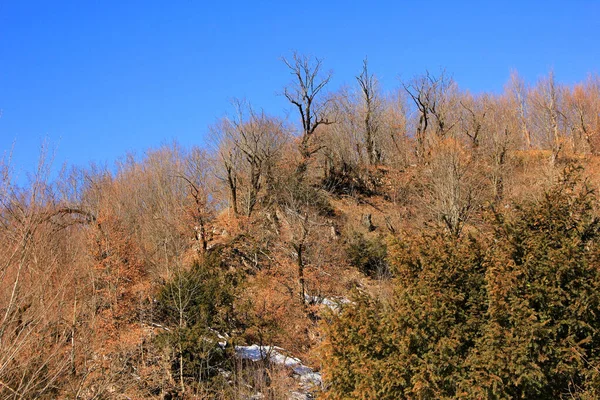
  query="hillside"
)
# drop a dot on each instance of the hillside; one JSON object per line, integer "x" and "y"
{"x": 426, "y": 243}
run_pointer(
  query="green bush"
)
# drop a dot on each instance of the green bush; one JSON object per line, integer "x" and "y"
{"x": 512, "y": 316}
{"x": 368, "y": 255}
{"x": 197, "y": 306}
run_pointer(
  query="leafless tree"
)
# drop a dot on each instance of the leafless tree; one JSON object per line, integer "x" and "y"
{"x": 433, "y": 97}
{"x": 452, "y": 185}
{"x": 582, "y": 105}
{"x": 343, "y": 142}
{"x": 473, "y": 117}
{"x": 372, "y": 105}
{"x": 502, "y": 130}
{"x": 548, "y": 116}
{"x": 249, "y": 144}
{"x": 230, "y": 158}
{"x": 394, "y": 140}
{"x": 370, "y": 127}
{"x": 519, "y": 92}
{"x": 196, "y": 174}
{"x": 304, "y": 94}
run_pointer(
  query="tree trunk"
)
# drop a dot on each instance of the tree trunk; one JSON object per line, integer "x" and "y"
{"x": 301, "y": 281}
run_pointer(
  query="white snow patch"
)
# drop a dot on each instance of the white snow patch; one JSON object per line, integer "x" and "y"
{"x": 275, "y": 355}
{"x": 223, "y": 339}
{"x": 332, "y": 304}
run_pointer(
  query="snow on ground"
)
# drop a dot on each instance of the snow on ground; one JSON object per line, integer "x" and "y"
{"x": 332, "y": 304}
{"x": 275, "y": 355}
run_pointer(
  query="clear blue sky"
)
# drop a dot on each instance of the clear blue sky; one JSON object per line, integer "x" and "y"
{"x": 99, "y": 79}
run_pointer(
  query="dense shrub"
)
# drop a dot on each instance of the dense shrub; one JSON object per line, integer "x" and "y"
{"x": 511, "y": 317}
{"x": 197, "y": 305}
{"x": 369, "y": 255}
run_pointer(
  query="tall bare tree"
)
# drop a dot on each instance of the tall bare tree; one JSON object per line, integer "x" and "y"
{"x": 473, "y": 117}
{"x": 305, "y": 94}
{"x": 516, "y": 86}
{"x": 501, "y": 133}
{"x": 394, "y": 138}
{"x": 249, "y": 143}
{"x": 433, "y": 96}
{"x": 230, "y": 158}
{"x": 196, "y": 174}
{"x": 583, "y": 115}
{"x": 371, "y": 103}
{"x": 547, "y": 102}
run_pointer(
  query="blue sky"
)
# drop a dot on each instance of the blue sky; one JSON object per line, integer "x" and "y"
{"x": 99, "y": 79}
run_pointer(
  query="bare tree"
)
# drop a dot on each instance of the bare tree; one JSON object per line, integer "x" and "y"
{"x": 433, "y": 96}
{"x": 371, "y": 104}
{"x": 547, "y": 101}
{"x": 501, "y": 130}
{"x": 304, "y": 94}
{"x": 583, "y": 115}
{"x": 342, "y": 142}
{"x": 473, "y": 117}
{"x": 307, "y": 235}
{"x": 260, "y": 138}
{"x": 452, "y": 185}
{"x": 394, "y": 139}
{"x": 249, "y": 143}
{"x": 519, "y": 92}
{"x": 230, "y": 158}
{"x": 196, "y": 174}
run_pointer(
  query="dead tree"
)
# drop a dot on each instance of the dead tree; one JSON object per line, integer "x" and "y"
{"x": 259, "y": 138}
{"x": 519, "y": 92}
{"x": 249, "y": 143}
{"x": 230, "y": 160}
{"x": 583, "y": 115}
{"x": 431, "y": 95}
{"x": 549, "y": 117}
{"x": 303, "y": 93}
{"x": 473, "y": 117}
{"x": 368, "y": 88}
